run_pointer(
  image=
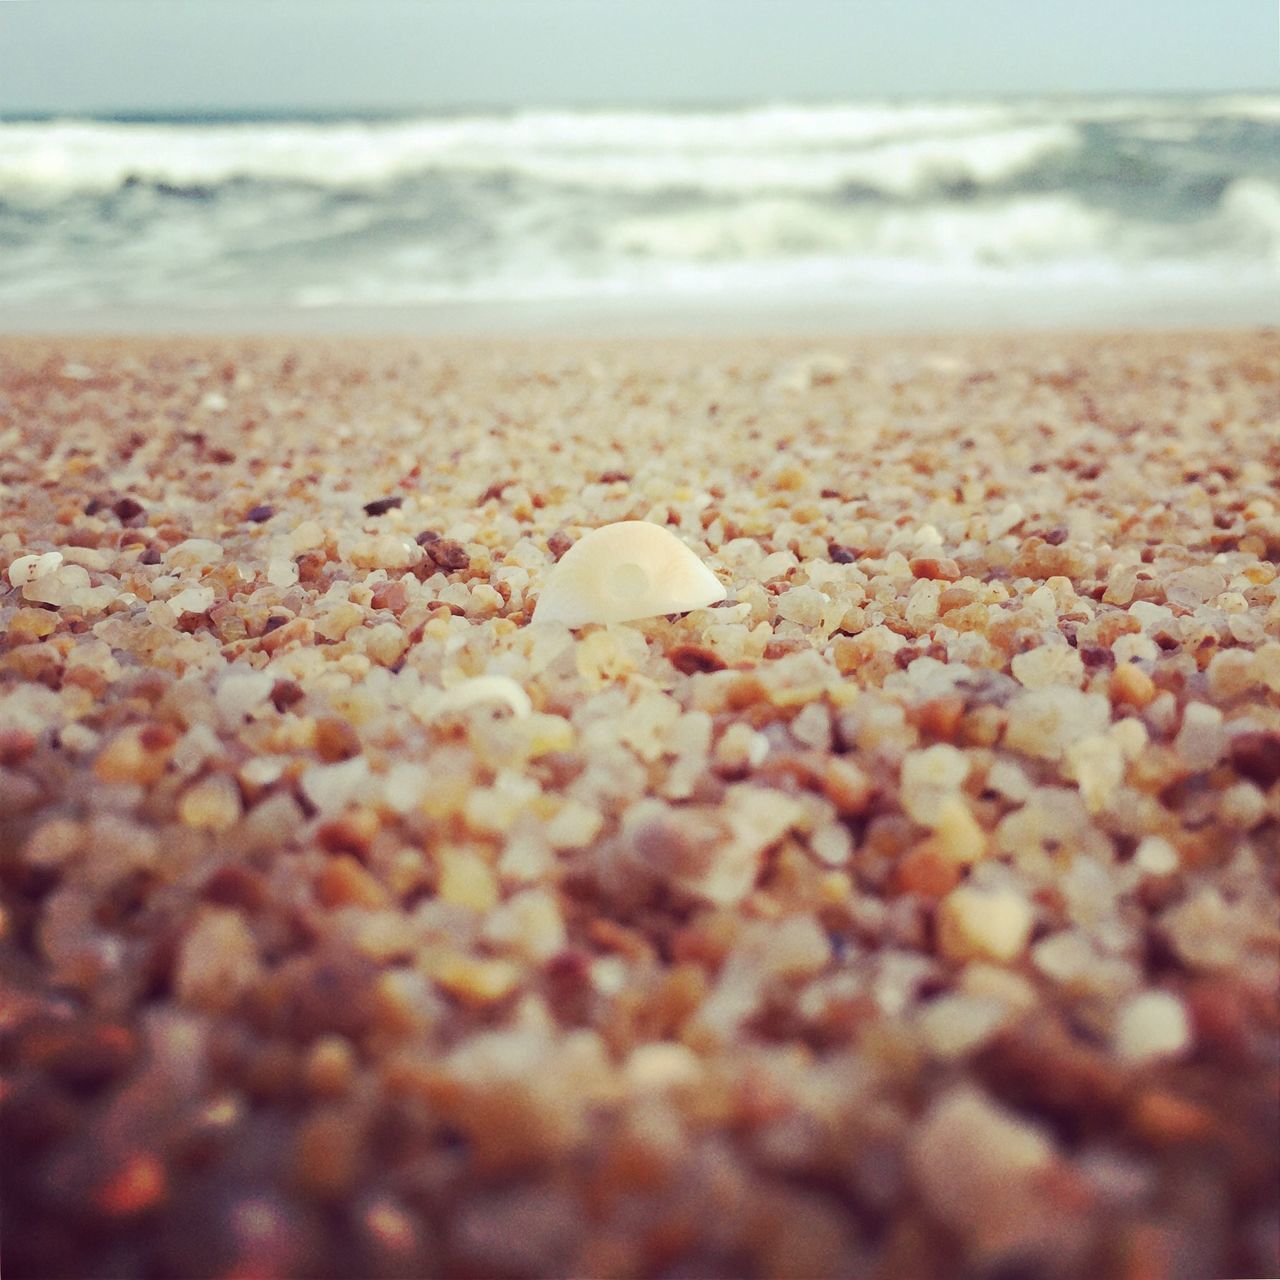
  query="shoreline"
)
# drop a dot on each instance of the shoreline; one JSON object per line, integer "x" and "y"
{"x": 953, "y": 309}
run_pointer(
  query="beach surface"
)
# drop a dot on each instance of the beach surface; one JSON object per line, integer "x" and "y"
{"x": 911, "y": 913}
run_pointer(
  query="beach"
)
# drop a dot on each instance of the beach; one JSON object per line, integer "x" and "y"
{"x": 910, "y": 913}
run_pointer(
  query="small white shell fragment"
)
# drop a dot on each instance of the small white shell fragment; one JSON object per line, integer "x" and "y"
{"x": 624, "y": 571}
{"x": 484, "y": 689}
{"x": 30, "y": 568}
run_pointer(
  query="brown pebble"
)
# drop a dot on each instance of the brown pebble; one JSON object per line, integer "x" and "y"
{"x": 256, "y": 515}
{"x": 840, "y": 554}
{"x": 935, "y": 569}
{"x": 925, "y": 871}
{"x": 157, "y": 737}
{"x": 16, "y": 745}
{"x": 137, "y": 1185}
{"x": 447, "y": 554}
{"x": 380, "y": 506}
{"x": 296, "y": 630}
{"x": 328, "y": 1153}
{"x": 343, "y": 882}
{"x": 692, "y": 658}
{"x": 336, "y": 740}
{"x": 127, "y": 508}
{"x": 1256, "y": 755}
{"x": 847, "y": 786}
{"x": 939, "y": 718}
{"x": 236, "y": 885}
{"x": 286, "y": 693}
{"x": 352, "y": 833}
{"x": 558, "y": 543}
{"x": 1165, "y": 1119}
{"x": 1038, "y": 1064}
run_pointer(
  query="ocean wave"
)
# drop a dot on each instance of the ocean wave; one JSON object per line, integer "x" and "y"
{"x": 895, "y": 148}
{"x": 95, "y": 159}
{"x": 1254, "y": 206}
{"x": 1020, "y": 231}
{"x": 559, "y": 204}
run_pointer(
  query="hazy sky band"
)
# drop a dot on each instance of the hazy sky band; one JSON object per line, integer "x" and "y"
{"x": 155, "y": 55}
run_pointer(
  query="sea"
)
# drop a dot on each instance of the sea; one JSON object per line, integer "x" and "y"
{"x": 1025, "y": 210}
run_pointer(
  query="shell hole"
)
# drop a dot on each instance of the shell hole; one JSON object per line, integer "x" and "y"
{"x": 626, "y": 581}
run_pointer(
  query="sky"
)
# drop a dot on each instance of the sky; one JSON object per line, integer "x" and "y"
{"x": 77, "y": 56}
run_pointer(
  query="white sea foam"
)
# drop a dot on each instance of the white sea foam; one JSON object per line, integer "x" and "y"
{"x": 776, "y": 150}
{"x": 540, "y": 205}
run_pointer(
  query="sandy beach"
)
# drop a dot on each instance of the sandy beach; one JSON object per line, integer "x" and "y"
{"x": 911, "y": 913}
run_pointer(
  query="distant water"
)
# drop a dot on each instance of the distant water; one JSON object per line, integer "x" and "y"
{"x": 760, "y": 201}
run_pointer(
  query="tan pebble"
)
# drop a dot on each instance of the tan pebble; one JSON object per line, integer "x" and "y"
{"x": 847, "y": 786}
{"x": 1131, "y": 686}
{"x": 958, "y": 835}
{"x": 298, "y": 631}
{"x": 939, "y": 718}
{"x": 466, "y": 880}
{"x": 212, "y": 804}
{"x": 981, "y": 1171}
{"x": 1243, "y": 806}
{"x": 54, "y": 842}
{"x": 29, "y": 625}
{"x": 139, "y": 754}
{"x": 529, "y": 923}
{"x": 600, "y": 658}
{"x": 984, "y": 923}
{"x": 330, "y": 1066}
{"x": 1048, "y": 665}
{"x": 306, "y": 537}
{"x": 955, "y": 1025}
{"x": 662, "y": 1066}
{"x": 218, "y": 961}
{"x": 476, "y": 980}
{"x": 339, "y": 620}
{"x": 344, "y": 882}
{"x": 386, "y": 643}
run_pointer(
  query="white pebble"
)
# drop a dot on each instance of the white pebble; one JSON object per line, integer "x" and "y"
{"x": 1150, "y": 1026}
{"x": 31, "y": 568}
{"x": 192, "y": 600}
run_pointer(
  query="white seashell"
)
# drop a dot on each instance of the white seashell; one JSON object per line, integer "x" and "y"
{"x": 27, "y": 569}
{"x": 484, "y": 689}
{"x": 632, "y": 569}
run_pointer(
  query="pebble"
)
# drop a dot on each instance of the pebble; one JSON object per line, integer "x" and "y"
{"x": 990, "y": 924}
{"x": 1202, "y": 739}
{"x": 1150, "y": 1026}
{"x": 980, "y": 1170}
